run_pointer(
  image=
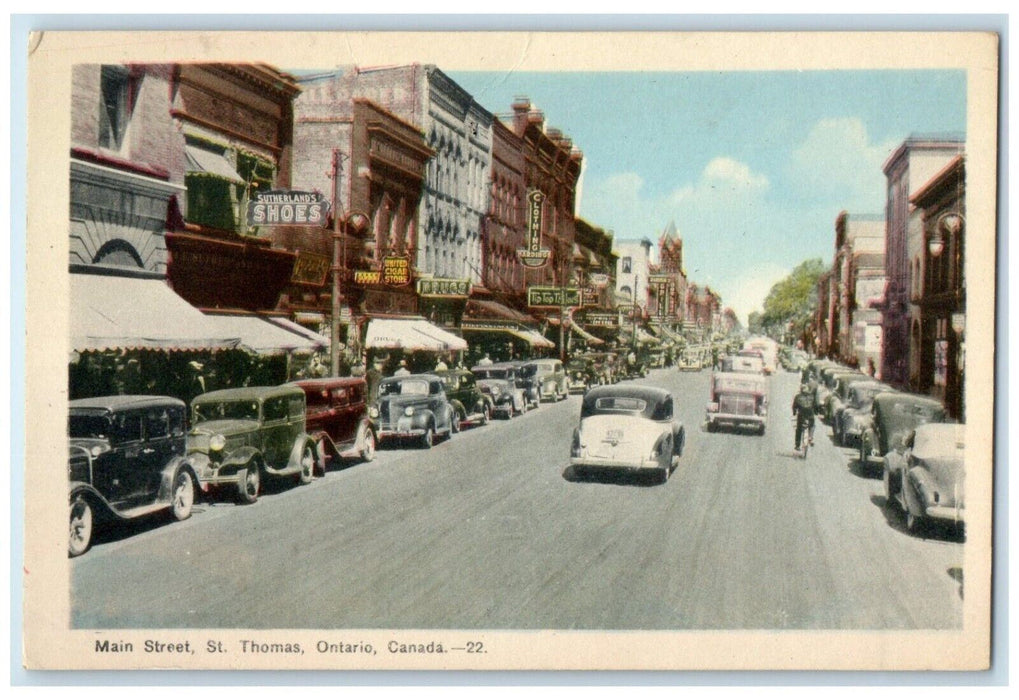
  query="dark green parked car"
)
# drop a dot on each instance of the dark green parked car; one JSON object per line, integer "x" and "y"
{"x": 472, "y": 407}
{"x": 239, "y": 436}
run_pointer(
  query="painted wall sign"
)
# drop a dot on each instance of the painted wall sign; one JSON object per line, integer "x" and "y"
{"x": 553, "y": 296}
{"x": 310, "y": 268}
{"x": 288, "y": 208}
{"x": 534, "y": 255}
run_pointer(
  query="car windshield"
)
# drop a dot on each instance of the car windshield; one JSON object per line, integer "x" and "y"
{"x": 528, "y": 371}
{"x": 408, "y": 387}
{"x": 226, "y": 410}
{"x": 490, "y": 373}
{"x": 84, "y": 425}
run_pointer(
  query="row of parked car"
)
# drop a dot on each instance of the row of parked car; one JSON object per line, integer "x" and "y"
{"x": 131, "y": 456}
{"x": 909, "y": 437}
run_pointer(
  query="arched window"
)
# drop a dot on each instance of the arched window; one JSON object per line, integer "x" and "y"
{"x": 118, "y": 252}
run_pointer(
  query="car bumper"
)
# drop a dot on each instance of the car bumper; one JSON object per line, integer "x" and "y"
{"x": 950, "y": 513}
{"x": 735, "y": 419}
{"x": 576, "y": 386}
{"x": 592, "y": 463}
{"x": 398, "y": 434}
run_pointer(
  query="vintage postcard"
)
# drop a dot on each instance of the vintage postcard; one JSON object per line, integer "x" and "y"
{"x": 497, "y": 351}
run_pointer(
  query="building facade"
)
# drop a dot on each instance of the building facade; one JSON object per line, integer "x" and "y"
{"x": 552, "y": 167}
{"x": 457, "y": 130}
{"x": 912, "y": 164}
{"x": 937, "y": 334}
{"x": 127, "y": 166}
{"x": 858, "y": 278}
{"x": 235, "y": 126}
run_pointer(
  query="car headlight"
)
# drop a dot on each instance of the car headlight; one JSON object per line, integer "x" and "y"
{"x": 216, "y": 443}
{"x": 373, "y": 412}
{"x": 409, "y": 411}
{"x": 96, "y": 451}
{"x": 496, "y": 391}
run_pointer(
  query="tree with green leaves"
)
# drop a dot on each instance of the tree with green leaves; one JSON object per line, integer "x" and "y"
{"x": 791, "y": 301}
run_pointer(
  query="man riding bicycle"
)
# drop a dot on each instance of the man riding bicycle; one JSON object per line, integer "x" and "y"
{"x": 803, "y": 411}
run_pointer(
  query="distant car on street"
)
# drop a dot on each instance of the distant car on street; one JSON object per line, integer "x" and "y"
{"x": 127, "y": 459}
{"x": 240, "y": 436}
{"x": 337, "y": 419}
{"x": 500, "y": 382}
{"x": 855, "y": 416}
{"x": 581, "y": 374}
{"x": 413, "y": 407}
{"x": 738, "y": 400}
{"x": 471, "y": 405}
{"x": 839, "y": 397}
{"x": 630, "y": 428}
{"x": 550, "y": 379}
{"x": 927, "y": 480}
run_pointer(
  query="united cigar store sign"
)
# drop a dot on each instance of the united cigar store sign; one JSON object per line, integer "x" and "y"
{"x": 395, "y": 272}
{"x": 288, "y": 208}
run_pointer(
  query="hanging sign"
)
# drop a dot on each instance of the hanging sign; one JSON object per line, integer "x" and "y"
{"x": 395, "y": 270}
{"x": 553, "y": 296}
{"x": 534, "y": 255}
{"x": 440, "y": 287}
{"x": 288, "y": 208}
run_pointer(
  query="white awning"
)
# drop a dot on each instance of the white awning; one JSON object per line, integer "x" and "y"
{"x": 109, "y": 311}
{"x": 593, "y": 340}
{"x": 200, "y": 160}
{"x": 263, "y": 336}
{"x": 285, "y": 323}
{"x": 410, "y": 334}
{"x": 536, "y": 339}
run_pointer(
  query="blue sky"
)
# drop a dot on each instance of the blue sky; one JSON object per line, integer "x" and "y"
{"x": 753, "y": 167}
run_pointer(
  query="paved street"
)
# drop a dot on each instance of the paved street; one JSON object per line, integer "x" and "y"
{"x": 492, "y": 530}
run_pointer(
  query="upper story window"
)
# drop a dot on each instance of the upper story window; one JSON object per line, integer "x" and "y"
{"x": 117, "y": 102}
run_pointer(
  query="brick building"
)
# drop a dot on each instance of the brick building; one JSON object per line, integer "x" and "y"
{"x": 937, "y": 332}
{"x": 912, "y": 164}
{"x": 127, "y": 165}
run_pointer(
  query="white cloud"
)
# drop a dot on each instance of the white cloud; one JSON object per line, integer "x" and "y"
{"x": 837, "y": 159}
{"x": 737, "y": 237}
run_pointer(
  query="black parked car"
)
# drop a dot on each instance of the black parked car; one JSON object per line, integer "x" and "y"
{"x": 413, "y": 407}
{"x": 127, "y": 459}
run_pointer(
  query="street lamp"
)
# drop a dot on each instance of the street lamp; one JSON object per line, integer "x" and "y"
{"x": 351, "y": 222}
{"x": 948, "y": 224}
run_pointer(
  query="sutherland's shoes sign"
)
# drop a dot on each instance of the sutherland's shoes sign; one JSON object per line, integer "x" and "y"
{"x": 279, "y": 207}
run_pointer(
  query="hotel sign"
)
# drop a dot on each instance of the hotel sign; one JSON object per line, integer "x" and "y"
{"x": 553, "y": 296}
{"x": 288, "y": 208}
{"x": 534, "y": 255}
{"x": 440, "y": 287}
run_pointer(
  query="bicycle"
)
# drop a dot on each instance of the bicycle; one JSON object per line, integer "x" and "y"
{"x": 806, "y": 438}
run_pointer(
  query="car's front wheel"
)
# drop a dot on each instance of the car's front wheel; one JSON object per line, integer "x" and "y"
{"x": 428, "y": 438}
{"x": 368, "y": 446}
{"x": 249, "y": 482}
{"x": 486, "y": 415}
{"x": 323, "y": 456}
{"x": 889, "y": 488}
{"x": 183, "y": 495}
{"x": 81, "y": 522}
{"x": 307, "y": 472}
{"x": 457, "y": 420}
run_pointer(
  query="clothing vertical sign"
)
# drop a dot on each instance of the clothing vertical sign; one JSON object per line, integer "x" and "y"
{"x": 534, "y": 255}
